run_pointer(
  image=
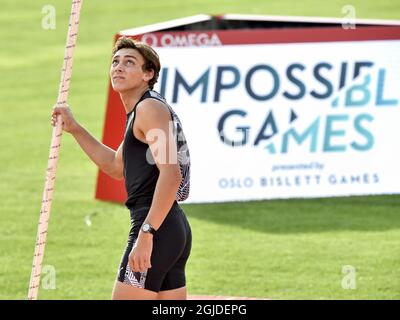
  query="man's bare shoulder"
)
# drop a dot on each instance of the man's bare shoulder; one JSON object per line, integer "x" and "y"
{"x": 152, "y": 109}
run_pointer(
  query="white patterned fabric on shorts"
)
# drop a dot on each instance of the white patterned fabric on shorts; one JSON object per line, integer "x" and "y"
{"x": 136, "y": 279}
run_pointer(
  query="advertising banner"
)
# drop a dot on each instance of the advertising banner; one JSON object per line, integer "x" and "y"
{"x": 284, "y": 113}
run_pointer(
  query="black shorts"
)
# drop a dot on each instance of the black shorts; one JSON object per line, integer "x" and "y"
{"x": 171, "y": 250}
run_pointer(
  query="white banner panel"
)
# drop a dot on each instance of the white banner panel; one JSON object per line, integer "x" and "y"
{"x": 286, "y": 120}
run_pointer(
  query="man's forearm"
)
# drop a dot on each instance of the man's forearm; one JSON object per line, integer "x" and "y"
{"x": 164, "y": 196}
{"x": 99, "y": 153}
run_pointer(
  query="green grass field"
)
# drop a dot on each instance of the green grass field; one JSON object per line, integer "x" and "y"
{"x": 283, "y": 249}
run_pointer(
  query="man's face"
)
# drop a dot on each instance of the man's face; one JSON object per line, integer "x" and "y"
{"x": 126, "y": 70}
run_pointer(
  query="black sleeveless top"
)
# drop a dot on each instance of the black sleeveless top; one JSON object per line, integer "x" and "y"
{"x": 140, "y": 171}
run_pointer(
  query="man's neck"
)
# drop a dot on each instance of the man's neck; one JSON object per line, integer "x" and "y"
{"x": 131, "y": 98}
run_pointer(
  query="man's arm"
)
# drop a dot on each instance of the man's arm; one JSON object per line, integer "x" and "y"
{"x": 107, "y": 159}
{"x": 153, "y": 125}
{"x": 154, "y": 121}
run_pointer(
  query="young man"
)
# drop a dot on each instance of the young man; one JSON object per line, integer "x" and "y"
{"x": 154, "y": 160}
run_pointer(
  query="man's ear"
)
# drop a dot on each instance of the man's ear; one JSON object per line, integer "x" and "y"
{"x": 148, "y": 75}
